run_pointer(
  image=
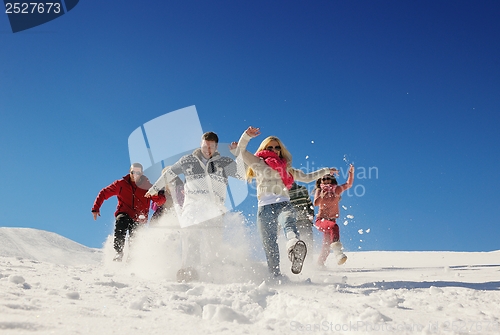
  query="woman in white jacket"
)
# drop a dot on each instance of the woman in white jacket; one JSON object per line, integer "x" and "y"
{"x": 274, "y": 175}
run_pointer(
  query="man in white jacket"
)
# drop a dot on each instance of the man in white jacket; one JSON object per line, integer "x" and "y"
{"x": 206, "y": 175}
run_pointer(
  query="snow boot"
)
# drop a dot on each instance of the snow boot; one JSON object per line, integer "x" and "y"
{"x": 118, "y": 257}
{"x": 297, "y": 251}
{"x": 337, "y": 252}
{"x": 187, "y": 274}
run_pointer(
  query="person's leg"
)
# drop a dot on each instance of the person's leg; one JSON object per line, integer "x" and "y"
{"x": 325, "y": 247}
{"x": 325, "y": 226}
{"x": 122, "y": 224}
{"x": 337, "y": 245}
{"x": 190, "y": 254}
{"x": 287, "y": 218}
{"x": 212, "y": 237}
{"x": 133, "y": 227}
{"x": 296, "y": 249}
{"x": 304, "y": 228}
{"x": 268, "y": 229}
{"x": 335, "y": 233}
{"x": 190, "y": 245}
{"x": 156, "y": 215}
{"x": 133, "y": 230}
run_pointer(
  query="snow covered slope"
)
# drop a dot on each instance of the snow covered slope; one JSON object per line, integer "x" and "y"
{"x": 45, "y": 246}
{"x": 49, "y": 285}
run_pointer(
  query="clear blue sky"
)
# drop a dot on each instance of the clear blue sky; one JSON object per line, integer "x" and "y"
{"x": 411, "y": 88}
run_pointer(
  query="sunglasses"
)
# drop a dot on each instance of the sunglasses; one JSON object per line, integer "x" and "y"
{"x": 139, "y": 173}
{"x": 327, "y": 178}
{"x": 274, "y": 148}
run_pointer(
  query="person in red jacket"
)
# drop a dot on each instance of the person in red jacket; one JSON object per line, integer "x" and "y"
{"x": 133, "y": 206}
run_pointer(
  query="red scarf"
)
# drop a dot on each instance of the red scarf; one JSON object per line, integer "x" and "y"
{"x": 276, "y": 163}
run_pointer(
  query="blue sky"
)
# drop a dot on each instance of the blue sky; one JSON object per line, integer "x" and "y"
{"x": 407, "y": 89}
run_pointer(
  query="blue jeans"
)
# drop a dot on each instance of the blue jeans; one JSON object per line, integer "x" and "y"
{"x": 268, "y": 218}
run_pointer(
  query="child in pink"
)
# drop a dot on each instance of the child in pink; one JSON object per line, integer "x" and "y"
{"x": 327, "y": 197}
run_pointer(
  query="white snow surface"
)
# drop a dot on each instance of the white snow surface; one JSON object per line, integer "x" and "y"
{"x": 52, "y": 285}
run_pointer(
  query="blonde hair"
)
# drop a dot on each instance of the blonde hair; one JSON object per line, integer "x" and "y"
{"x": 284, "y": 153}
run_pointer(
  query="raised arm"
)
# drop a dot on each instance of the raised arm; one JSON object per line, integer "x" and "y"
{"x": 247, "y": 156}
{"x": 350, "y": 179}
{"x": 233, "y": 148}
{"x": 311, "y": 176}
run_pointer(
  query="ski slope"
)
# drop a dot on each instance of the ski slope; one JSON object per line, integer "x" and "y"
{"x": 51, "y": 285}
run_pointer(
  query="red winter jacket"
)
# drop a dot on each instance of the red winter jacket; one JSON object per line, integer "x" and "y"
{"x": 131, "y": 199}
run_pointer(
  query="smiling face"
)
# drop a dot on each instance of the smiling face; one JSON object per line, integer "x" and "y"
{"x": 208, "y": 148}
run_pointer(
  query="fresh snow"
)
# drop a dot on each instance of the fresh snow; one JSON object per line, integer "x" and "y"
{"x": 51, "y": 285}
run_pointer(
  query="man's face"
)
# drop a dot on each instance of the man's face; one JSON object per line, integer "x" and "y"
{"x": 135, "y": 173}
{"x": 208, "y": 148}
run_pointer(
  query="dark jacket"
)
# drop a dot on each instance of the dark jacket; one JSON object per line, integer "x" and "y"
{"x": 130, "y": 196}
{"x": 299, "y": 197}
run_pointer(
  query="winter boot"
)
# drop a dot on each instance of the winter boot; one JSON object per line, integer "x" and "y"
{"x": 118, "y": 257}
{"x": 297, "y": 251}
{"x": 290, "y": 244}
{"x": 337, "y": 252}
{"x": 187, "y": 275}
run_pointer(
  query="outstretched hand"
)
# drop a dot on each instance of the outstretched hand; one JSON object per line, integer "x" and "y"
{"x": 334, "y": 171}
{"x": 351, "y": 168}
{"x": 253, "y": 132}
{"x": 233, "y": 145}
{"x": 96, "y": 214}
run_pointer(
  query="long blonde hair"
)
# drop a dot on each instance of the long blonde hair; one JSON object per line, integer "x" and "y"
{"x": 284, "y": 153}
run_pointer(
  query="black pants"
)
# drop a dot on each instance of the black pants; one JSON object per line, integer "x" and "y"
{"x": 123, "y": 223}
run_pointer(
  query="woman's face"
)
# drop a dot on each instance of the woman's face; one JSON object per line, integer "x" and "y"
{"x": 274, "y": 146}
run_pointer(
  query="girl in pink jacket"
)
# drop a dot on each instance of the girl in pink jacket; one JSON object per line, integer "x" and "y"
{"x": 327, "y": 197}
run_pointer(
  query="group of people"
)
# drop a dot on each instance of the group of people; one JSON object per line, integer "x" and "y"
{"x": 281, "y": 201}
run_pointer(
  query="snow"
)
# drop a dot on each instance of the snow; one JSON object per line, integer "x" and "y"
{"x": 51, "y": 285}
